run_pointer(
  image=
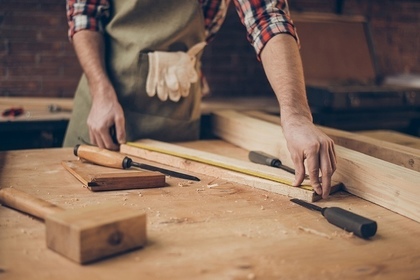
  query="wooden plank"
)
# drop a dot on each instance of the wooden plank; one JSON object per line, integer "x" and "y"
{"x": 211, "y": 104}
{"x": 227, "y": 168}
{"x": 406, "y": 156}
{"x": 100, "y": 178}
{"x": 393, "y": 137}
{"x": 389, "y": 185}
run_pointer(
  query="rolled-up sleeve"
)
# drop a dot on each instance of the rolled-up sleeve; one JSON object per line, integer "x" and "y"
{"x": 86, "y": 15}
{"x": 265, "y": 19}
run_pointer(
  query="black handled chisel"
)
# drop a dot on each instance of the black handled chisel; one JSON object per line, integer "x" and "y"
{"x": 351, "y": 222}
{"x": 266, "y": 159}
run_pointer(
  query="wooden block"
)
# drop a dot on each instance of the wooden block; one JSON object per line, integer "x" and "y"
{"x": 88, "y": 234}
{"x": 83, "y": 235}
{"x": 386, "y": 184}
{"x": 100, "y": 178}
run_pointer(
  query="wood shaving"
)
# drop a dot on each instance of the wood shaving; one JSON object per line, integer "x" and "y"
{"x": 343, "y": 234}
{"x": 309, "y": 230}
{"x": 212, "y": 186}
{"x": 185, "y": 184}
{"x": 251, "y": 276}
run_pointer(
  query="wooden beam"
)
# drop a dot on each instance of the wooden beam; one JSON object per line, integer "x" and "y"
{"x": 386, "y": 184}
{"x": 227, "y": 168}
{"x": 406, "y": 156}
{"x": 393, "y": 137}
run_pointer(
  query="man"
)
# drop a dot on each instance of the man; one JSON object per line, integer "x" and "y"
{"x": 140, "y": 73}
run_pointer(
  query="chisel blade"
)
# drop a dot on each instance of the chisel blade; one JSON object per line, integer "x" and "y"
{"x": 306, "y": 204}
{"x": 164, "y": 171}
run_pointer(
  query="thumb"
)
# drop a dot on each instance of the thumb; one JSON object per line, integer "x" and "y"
{"x": 120, "y": 130}
{"x": 299, "y": 173}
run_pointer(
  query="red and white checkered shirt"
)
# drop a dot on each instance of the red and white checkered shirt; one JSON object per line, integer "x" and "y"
{"x": 262, "y": 18}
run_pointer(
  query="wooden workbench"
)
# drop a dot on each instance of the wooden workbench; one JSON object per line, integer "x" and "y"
{"x": 211, "y": 229}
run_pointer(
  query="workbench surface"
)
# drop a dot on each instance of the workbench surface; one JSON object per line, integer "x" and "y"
{"x": 212, "y": 229}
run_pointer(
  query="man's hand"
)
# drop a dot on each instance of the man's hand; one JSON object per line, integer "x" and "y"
{"x": 106, "y": 112}
{"x": 306, "y": 142}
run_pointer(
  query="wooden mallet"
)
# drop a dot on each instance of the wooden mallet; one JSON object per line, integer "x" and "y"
{"x": 83, "y": 235}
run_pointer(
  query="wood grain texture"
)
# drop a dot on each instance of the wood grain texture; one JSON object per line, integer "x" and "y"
{"x": 228, "y": 231}
{"x": 393, "y": 137}
{"x": 100, "y": 178}
{"x": 403, "y": 153}
{"x": 389, "y": 185}
{"x": 239, "y": 171}
{"x": 90, "y": 234}
{"x": 86, "y": 234}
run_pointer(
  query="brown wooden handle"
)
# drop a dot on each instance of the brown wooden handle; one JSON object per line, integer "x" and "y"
{"x": 102, "y": 156}
{"x": 27, "y": 203}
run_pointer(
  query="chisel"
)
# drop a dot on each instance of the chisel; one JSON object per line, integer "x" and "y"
{"x": 116, "y": 160}
{"x": 351, "y": 222}
{"x": 266, "y": 159}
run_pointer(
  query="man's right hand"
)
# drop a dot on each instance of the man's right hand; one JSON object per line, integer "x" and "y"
{"x": 105, "y": 113}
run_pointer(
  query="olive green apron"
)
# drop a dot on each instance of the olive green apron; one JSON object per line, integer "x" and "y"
{"x": 137, "y": 27}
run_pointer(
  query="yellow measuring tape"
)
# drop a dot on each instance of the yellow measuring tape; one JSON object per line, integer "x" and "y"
{"x": 217, "y": 164}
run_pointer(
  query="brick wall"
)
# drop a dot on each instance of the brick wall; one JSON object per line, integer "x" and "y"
{"x": 36, "y": 58}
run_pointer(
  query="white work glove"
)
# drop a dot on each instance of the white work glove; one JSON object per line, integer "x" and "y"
{"x": 172, "y": 73}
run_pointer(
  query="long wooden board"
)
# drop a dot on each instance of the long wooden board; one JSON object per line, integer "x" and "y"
{"x": 393, "y": 137}
{"x": 406, "y": 156}
{"x": 100, "y": 178}
{"x": 386, "y": 184}
{"x": 234, "y": 170}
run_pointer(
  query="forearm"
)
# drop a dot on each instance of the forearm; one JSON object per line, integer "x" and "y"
{"x": 90, "y": 50}
{"x": 282, "y": 64}
{"x": 105, "y": 112}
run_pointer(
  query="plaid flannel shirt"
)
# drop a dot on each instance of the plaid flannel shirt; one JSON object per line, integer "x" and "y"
{"x": 263, "y": 19}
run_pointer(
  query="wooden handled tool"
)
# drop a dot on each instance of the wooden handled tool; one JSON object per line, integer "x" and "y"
{"x": 83, "y": 235}
{"x": 116, "y": 160}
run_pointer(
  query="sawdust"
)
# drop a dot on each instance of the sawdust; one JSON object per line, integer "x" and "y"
{"x": 185, "y": 184}
{"x": 341, "y": 234}
{"x": 251, "y": 276}
{"x": 312, "y": 231}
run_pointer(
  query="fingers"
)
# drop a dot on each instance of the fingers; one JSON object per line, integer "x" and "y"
{"x": 320, "y": 158}
{"x": 120, "y": 130}
{"x": 108, "y": 137}
{"x": 299, "y": 171}
{"x": 103, "y": 139}
{"x": 328, "y": 167}
{"x": 313, "y": 171}
{"x": 324, "y": 160}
